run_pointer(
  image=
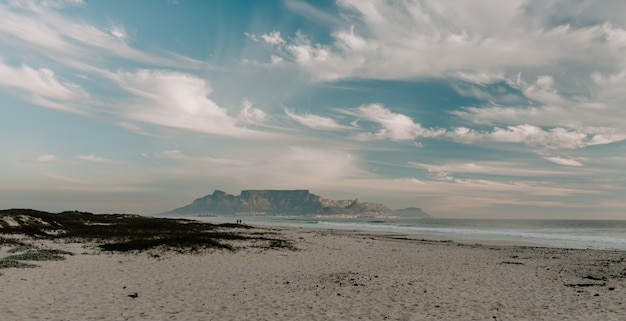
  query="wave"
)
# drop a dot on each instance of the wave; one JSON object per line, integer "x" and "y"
{"x": 569, "y": 234}
{"x": 565, "y": 237}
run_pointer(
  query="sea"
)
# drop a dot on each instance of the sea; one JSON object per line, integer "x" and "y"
{"x": 579, "y": 234}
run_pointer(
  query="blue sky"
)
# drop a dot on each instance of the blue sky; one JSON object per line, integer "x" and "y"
{"x": 483, "y": 108}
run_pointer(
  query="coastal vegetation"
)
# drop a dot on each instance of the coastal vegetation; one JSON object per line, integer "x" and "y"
{"x": 120, "y": 233}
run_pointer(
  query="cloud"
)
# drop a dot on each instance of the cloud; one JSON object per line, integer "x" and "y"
{"x": 486, "y": 168}
{"x": 316, "y": 121}
{"x": 408, "y": 39}
{"x": 119, "y": 32}
{"x": 555, "y": 138}
{"x": 273, "y": 38}
{"x": 250, "y": 114}
{"x": 64, "y": 178}
{"x": 575, "y": 121}
{"x": 54, "y": 3}
{"x": 279, "y": 167}
{"x": 564, "y": 161}
{"x": 547, "y": 75}
{"x": 179, "y": 100}
{"x": 308, "y": 11}
{"x": 41, "y": 86}
{"x": 96, "y": 159}
{"x": 178, "y": 155}
{"x": 36, "y": 26}
{"x": 46, "y": 158}
{"x": 394, "y": 126}
{"x": 134, "y": 128}
{"x": 175, "y": 154}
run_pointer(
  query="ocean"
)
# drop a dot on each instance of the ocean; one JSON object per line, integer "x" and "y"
{"x": 580, "y": 234}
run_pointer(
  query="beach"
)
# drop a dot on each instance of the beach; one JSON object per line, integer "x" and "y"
{"x": 326, "y": 275}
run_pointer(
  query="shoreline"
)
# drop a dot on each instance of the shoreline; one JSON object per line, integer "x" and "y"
{"x": 330, "y": 275}
{"x": 469, "y": 238}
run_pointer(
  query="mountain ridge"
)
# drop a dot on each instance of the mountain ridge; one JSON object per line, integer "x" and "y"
{"x": 283, "y": 202}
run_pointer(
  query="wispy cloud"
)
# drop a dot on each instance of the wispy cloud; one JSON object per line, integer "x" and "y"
{"x": 564, "y": 161}
{"x": 97, "y": 159}
{"x": 250, "y": 114}
{"x": 554, "y": 138}
{"x": 39, "y": 27}
{"x": 488, "y": 168}
{"x": 64, "y": 178}
{"x": 316, "y": 121}
{"x": 41, "y": 86}
{"x": 308, "y": 11}
{"x": 46, "y": 158}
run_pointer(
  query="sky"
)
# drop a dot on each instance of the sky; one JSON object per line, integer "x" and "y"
{"x": 481, "y": 108}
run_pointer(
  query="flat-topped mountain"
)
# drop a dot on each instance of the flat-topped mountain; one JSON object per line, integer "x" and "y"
{"x": 278, "y": 202}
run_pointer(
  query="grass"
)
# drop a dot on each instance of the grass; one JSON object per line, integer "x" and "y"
{"x": 39, "y": 255}
{"x": 6, "y": 264}
{"x": 21, "y": 248}
{"x": 15, "y": 260}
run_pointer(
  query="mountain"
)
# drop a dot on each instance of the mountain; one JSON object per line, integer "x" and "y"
{"x": 413, "y": 212}
{"x": 277, "y": 202}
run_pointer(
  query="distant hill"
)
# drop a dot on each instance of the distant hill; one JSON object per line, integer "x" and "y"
{"x": 414, "y": 212}
{"x": 278, "y": 202}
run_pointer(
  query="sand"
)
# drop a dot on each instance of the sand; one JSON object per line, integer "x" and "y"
{"x": 332, "y": 275}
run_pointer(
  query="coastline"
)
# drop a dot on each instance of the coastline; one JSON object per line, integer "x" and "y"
{"x": 330, "y": 275}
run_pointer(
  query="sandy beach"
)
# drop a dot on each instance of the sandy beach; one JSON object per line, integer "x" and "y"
{"x": 329, "y": 275}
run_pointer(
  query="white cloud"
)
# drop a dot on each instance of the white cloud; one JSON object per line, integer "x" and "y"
{"x": 317, "y": 59}
{"x": 308, "y": 11}
{"x": 250, "y": 114}
{"x": 202, "y": 160}
{"x": 407, "y": 39}
{"x": 275, "y": 60}
{"x": 119, "y": 32}
{"x": 487, "y": 167}
{"x": 564, "y": 66}
{"x": 41, "y": 86}
{"x": 179, "y": 100}
{"x": 57, "y": 3}
{"x": 581, "y": 121}
{"x": 273, "y": 38}
{"x": 38, "y": 27}
{"x": 564, "y": 161}
{"x": 46, "y": 158}
{"x": 96, "y": 159}
{"x": 270, "y": 167}
{"x": 134, "y": 128}
{"x": 316, "y": 121}
{"x": 175, "y": 154}
{"x": 393, "y": 126}
{"x": 555, "y": 138}
{"x": 64, "y": 178}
